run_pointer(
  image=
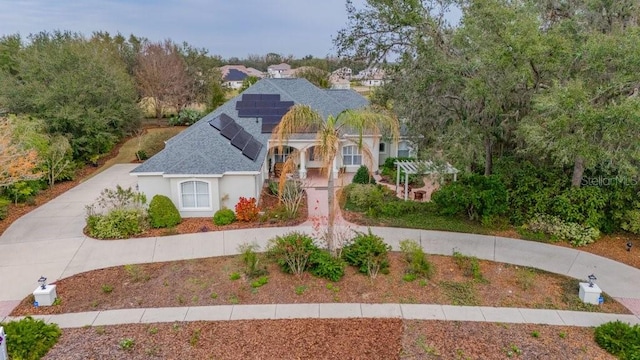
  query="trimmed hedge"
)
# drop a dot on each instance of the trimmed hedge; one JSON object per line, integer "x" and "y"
{"x": 619, "y": 339}
{"x": 224, "y": 217}
{"x": 30, "y": 339}
{"x": 163, "y": 213}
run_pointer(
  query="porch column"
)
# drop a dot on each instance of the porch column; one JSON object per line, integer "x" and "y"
{"x": 303, "y": 164}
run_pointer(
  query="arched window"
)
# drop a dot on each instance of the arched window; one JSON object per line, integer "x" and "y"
{"x": 195, "y": 195}
{"x": 351, "y": 155}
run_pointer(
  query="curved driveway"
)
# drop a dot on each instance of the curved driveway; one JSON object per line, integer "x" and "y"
{"x": 49, "y": 241}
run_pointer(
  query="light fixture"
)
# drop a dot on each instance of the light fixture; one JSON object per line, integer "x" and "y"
{"x": 592, "y": 278}
{"x": 43, "y": 282}
{"x": 629, "y": 245}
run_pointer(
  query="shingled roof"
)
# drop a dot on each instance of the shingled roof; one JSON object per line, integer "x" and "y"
{"x": 201, "y": 150}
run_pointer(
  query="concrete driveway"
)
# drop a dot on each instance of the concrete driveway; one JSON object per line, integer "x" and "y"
{"x": 44, "y": 241}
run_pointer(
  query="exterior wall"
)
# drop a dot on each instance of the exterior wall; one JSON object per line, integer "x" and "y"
{"x": 232, "y": 187}
{"x": 369, "y": 142}
{"x": 154, "y": 185}
{"x": 389, "y": 148}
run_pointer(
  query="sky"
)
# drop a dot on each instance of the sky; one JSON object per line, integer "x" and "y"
{"x": 229, "y": 28}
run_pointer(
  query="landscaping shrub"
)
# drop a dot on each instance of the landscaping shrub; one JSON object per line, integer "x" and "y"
{"x": 363, "y": 176}
{"x": 224, "y": 217}
{"x": 186, "y": 117}
{"x": 416, "y": 260}
{"x": 632, "y": 221}
{"x": 4, "y": 208}
{"x": 583, "y": 205}
{"x": 367, "y": 252}
{"x": 22, "y": 191}
{"x": 469, "y": 265}
{"x": 365, "y": 196}
{"x": 117, "y": 224}
{"x": 273, "y": 187}
{"x": 558, "y": 229}
{"x": 291, "y": 195}
{"x": 247, "y": 209}
{"x": 251, "y": 260}
{"x": 476, "y": 196}
{"x": 322, "y": 264}
{"x": 141, "y": 155}
{"x": 619, "y": 339}
{"x": 163, "y": 213}
{"x": 292, "y": 252}
{"x": 30, "y": 339}
{"x": 397, "y": 208}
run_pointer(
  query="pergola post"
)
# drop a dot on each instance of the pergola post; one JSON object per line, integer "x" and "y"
{"x": 406, "y": 186}
{"x": 397, "y": 177}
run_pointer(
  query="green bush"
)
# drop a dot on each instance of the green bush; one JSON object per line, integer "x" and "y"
{"x": 365, "y": 250}
{"x": 363, "y": 176}
{"x": 365, "y": 196}
{"x": 141, "y": 155}
{"x": 251, "y": 261}
{"x": 224, "y": 217}
{"x": 163, "y": 213}
{"x": 292, "y": 252}
{"x": 185, "y": 117}
{"x": 583, "y": 205}
{"x": 30, "y": 339}
{"x": 4, "y": 208}
{"x": 476, "y": 196}
{"x": 397, "y": 208}
{"x": 322, "y": 264}
{"x": 22, "y": 191}
{"x": 632, "y": 221}
{"x": 619, "y": 339}
{"x": 558, "y": 229}
{"x": 117, "y": 224}
{"x": 416, "y": 260}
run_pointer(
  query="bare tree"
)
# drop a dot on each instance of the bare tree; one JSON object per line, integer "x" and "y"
{"x": 161, "y": 75}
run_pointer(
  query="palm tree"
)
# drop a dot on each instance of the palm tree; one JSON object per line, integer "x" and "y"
{"x": 303, "y": 119}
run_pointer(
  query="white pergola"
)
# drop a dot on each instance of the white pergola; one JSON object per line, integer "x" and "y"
{"x": 411, "y": 167}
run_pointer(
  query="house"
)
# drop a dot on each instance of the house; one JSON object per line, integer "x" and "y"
{"x": 229, "y": 153}
{"x": 279, "y": 71}
{"x": 371, "y": 77}
{"x": 234, "y": 75}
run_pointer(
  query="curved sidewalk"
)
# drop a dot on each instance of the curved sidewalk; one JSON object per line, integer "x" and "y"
{"x": 49, "y": 241}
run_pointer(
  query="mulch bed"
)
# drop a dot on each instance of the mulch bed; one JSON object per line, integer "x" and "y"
{"x": 200, "y": 282}
{"x": 329, "y": 339}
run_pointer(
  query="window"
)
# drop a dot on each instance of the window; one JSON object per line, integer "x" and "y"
{"x": 313, "y": 154}
{"x": 351, "y": 155}
{"x": 195, "y": 194}
{"x": 404, "y": 150}
{"x": 382, "y": 148}
{"x": 280, "y": 158}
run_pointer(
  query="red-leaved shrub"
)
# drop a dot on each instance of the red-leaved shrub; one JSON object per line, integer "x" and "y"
{"x": 246, "y": 209}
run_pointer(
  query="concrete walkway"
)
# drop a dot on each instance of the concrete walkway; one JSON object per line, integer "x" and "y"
{"x": 333, "y": 311}
{"x": 49, "y": 241}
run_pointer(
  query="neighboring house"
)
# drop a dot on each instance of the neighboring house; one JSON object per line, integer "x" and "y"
{"x": 371, "y": 77}
{"x": 234, "y": 79}
{"x": 234, "y": 75}
{"x": 229, "y": 153}
{"x": 339, "y": 83}
{"x": 343, "y": 72}
{"x": 279, "y": 71}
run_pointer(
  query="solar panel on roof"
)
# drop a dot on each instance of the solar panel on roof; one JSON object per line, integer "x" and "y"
{"x": 286, "y": 104}
{"x": 230, "y": 130}
{"x": 271, "y": 119}
{"x": 270, "y": 97}
{"x": 251, "y": 97}
{"x": 245, "y": 104}
{"x": 221, "y": 121}
{"x": 241, "y": 139}
{"x": 248, "y": 112}
{"x": 252, "y": 149}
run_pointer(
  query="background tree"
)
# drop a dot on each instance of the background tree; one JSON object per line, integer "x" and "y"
{"x": 17, "y": 162}
{"x": 161, "y": 75}
{"x": 248, "y": 81}
{"x": 317, "y": 77}
{"x": 80, "y": 89}
{"x": 303, "y": 119}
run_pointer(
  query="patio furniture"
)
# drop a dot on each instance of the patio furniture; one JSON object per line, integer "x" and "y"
{"x": 418, "y": 195}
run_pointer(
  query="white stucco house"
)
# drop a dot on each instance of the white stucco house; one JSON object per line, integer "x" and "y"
{"x": 229, "y": 153}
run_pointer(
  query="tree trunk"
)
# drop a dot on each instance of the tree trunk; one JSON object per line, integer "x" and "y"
{"x": 332, "y": 212}
{"x": 488, "y": 156}
{"x": 578, "y": 171}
